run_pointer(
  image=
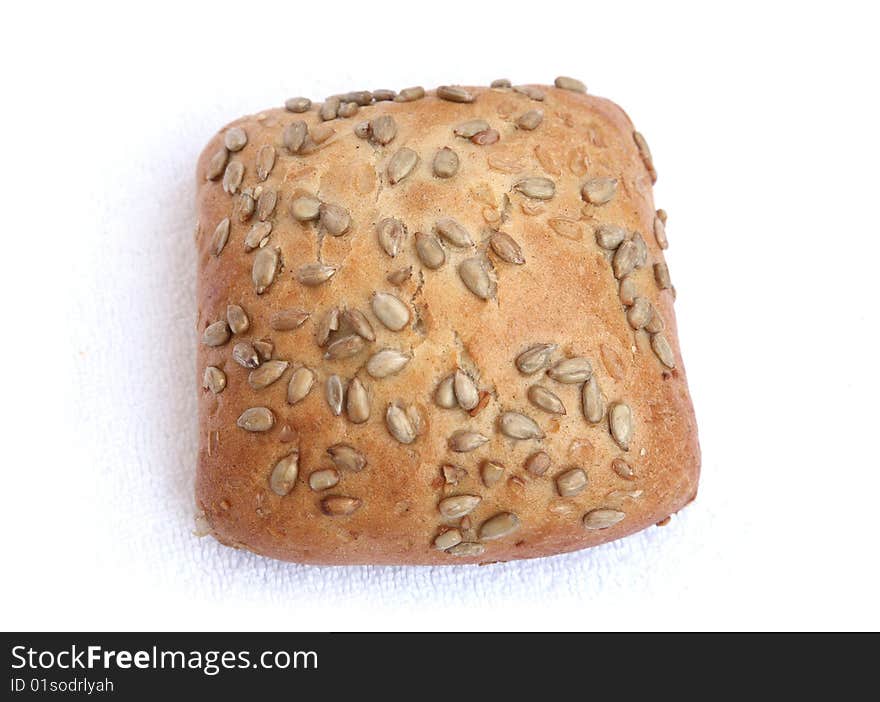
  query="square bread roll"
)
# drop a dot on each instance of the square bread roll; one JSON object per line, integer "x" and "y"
{"x": 436, "y": 327}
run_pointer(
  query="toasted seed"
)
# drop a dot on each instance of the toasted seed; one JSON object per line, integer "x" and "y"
{"x": 610, "y": 236}
{"x": 298, "y": 104}
{"x": 347, "y": 109}
{"x": 359, "y": 324}
{"x": 214, "y": 379}
{"x": 344, "y": 347}
{"x": 592, "y": 402}
{"x": 399, "y": 424}
{"x": 383, "y": 95}
{"x": 400, "y": 276}
{"x": 256, "y": 235}
{"x": 470, "y": 128}
{"x": 463, "y": 441}
{"x": 329, "y": 108}
{"x": 340, "y": 506}
{"x": 571, "y": 370}
{"x": 491, "y": 472}
{"x": 323, "y": 479}
{"x": 313, "y": 274}
{"x": 644, "y": 150}
{"x": 535, "y": 358}
{"x": 390, "y": 310}
{"x": 628, "y": 291}
{"x": 357, "y": 402}
{"x": 265, "y": 266}
{"x": 474, "y": 275}
{"x": 391, "y": 233}
{"x": 334, "y": 393}
{"x": 294, "y": 136}
{"x": 538, "y": 463}
{"x": 282, "y": 479}
{"x": 641, "y": 249}
{"x": 347, "y": 457}
{"x": 361, "y": 98}
{"x": 220, "y": 237}
{"x": 300, "y": 385}
{"x": 466, "y": 549}
{"x": 567, "y": 83}
{"x": 246, "y": 205}
{"x": 453, "y": 232}
{"x": 217, "y": 164}
{"x": 266, "y": 374}
{"x": 529, "y": 91}
{"x": 431, "y": 252}
{"x": 466, "y": 393}
{"x": 401, "y": 165}
{"x": 266, "y": 204}
{"x": 362, "y": 130}
{"x": 620, "y": 423}
{"x": 660, "y": 230}
{"x": 383, "y": 129}
{"x": 289, "y": 319}
{"x": 530, "y": 120}
{"x": 386, "y": 362}
{"x": 334, "y": 219}
{"x": 233, "y": 176}
{"x": 656, "y": 324}
{"x": 245, "y": 355}
{"x": 661, "y": 276}
{"x": 305, "y": 208}
{"x": 599, "y": 191}
{"x": 543, "y": 399}
{"x": 623, "y": 469}
{"x": 624, "y": 261}
{"x": 265, "y": 161}
{"x": 506, "y": 248}
{"x": 216, "y": 334}
{"x": 602, "y": 518}
{"x": 445, "y": 163}
{"x": 264, "y": 349}
{"x": 499, "y": 526}
{"x": 454, "y": 93}
{"x": 519, "y": 426}
{"x": 500, "y": 83}
{"x": 256, "y": 419}
{"x": 663, "y": 350}
{"x": 410, "y": 94}
{"x": 486, "y": 138}
{"x": 235, "y": 139}
{"x": 444, "y": 395}
{"x": 448, "y": 539}
{"x": 536, "y": 187}
{"x": 458, "y": 506}
{"x": 329, "y": 323}
{"x": 640, "y": 313}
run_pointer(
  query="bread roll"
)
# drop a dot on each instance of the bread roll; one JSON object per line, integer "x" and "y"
{"x": 436, "y": 327}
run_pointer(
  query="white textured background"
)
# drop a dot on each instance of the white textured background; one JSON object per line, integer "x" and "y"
{"x": 763, "y": 120}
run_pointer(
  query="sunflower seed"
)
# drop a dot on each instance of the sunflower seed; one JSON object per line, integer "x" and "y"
{"x": 454, "y": 93}
{"x": 467, "y": 549}
{"x": 256, "y": 419}
{"x": 486, "y": 138}
{"x": 661, "y": 276}
{"x": 214, "y": 379}
{"x": 246, "y": 205}
{"x": 566, "y": 83}
{"x": 264, "y": 349}
{"x": 598, "y": 191}
{"x": 445, "y": 163}
{"x": 474, "y": 275}
{"x": 506, "y": 248}
{"x": 245, "y": 355}
{"x": 640, "y": 313}
{"x": 300, "y": 385}
{"x": 362, "y": 130}
{"x": 410, "y": 94}
{"x": 624, "y": 261}
{"x": 313, "y": 274}
{"x": 543, "y": 399}
{"x": 448, "y": 539}
{"x": 347, "y": 458}
{"x": 645, "y": 153}
{"x": 536, "y": 187}
{"x": 266, "y": 374}
{"x": 463, "y": 441}
{"x": 453, "y": 232}
{"x": 571, "y": 370}
{"x": 329, "y": 108}
{"x": 399, "y": 424}
{"x": 466, "y": 393}
{"x": 233, "y": 176}
{"x": 344, "y": 347}
{"x": 383, "y": 129}
{"x": 266, "y": 204}
{"x": 470, "y": 128}
{"x": 334, "y": 219}
{"x": 500, "y": 83}
{"x": 535, "y": 358}
{"x": 386, "y": 362}
{"x": 383, "y": 95}
{"x": 289, "y": 319}
{"x": 444, "y": 395}
{"x": 357, "y": 402}
{"x": 529, "y": 91}
{"x": 491, "y": 472}
{"x": 347, "y": 109}
{"x": 499, "y": 526}
{"x": 610, "y": 236}
{"x": 538, "y": 463}
{"x": 571, "y": 482}
{"x": 641, "y": 250}
{"x": 660, "y": 230}
{"x": 430, "y": 251}
{"x": 323, "y": 479}
{"x": 623, "y": 469}
{"x": 329, "y": 323}
{"x": 305, "y": 208}
{"x": 391, "y": 233}
{"x": 361, "y": 98}
{"x": 334, "y": 393}
{"x": 220, "y": 237}
{"x": 655, "y": 325}
{"x": 620, "y": 423}
{"x": 663, "y": 350}
{"x": 256, "y": 235}
{"x": 530, "y": 120}
{"x": 265, "y": 161}
{"x": 298, "y": 104}
{"x": 359, "y": 324}
{"x": 265, "y": 266}
{"x": 400, "y": 276}
{"x": 401, "y": 165}
{"x": 294, "y": 136}
{"x": 458, "y": 506}
{"x": 519, "y": 426}
{"x": 217, "y": 164}
{"x": 390, "y": 310}
{"x": 340, "y": 506}
{"x": 283, "y": 476}
{"x": 216, "y": 334}
{"x": 592, "y": 402}
{"x": 235, "y": 139}
{"x": 602, "y": 518}
{"x": 628, "y": 292}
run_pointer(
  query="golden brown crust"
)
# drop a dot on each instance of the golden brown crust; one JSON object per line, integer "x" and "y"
{"x": 565, "y": 293}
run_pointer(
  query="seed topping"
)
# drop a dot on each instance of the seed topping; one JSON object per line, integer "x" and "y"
{"x": 283, "y": 477}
